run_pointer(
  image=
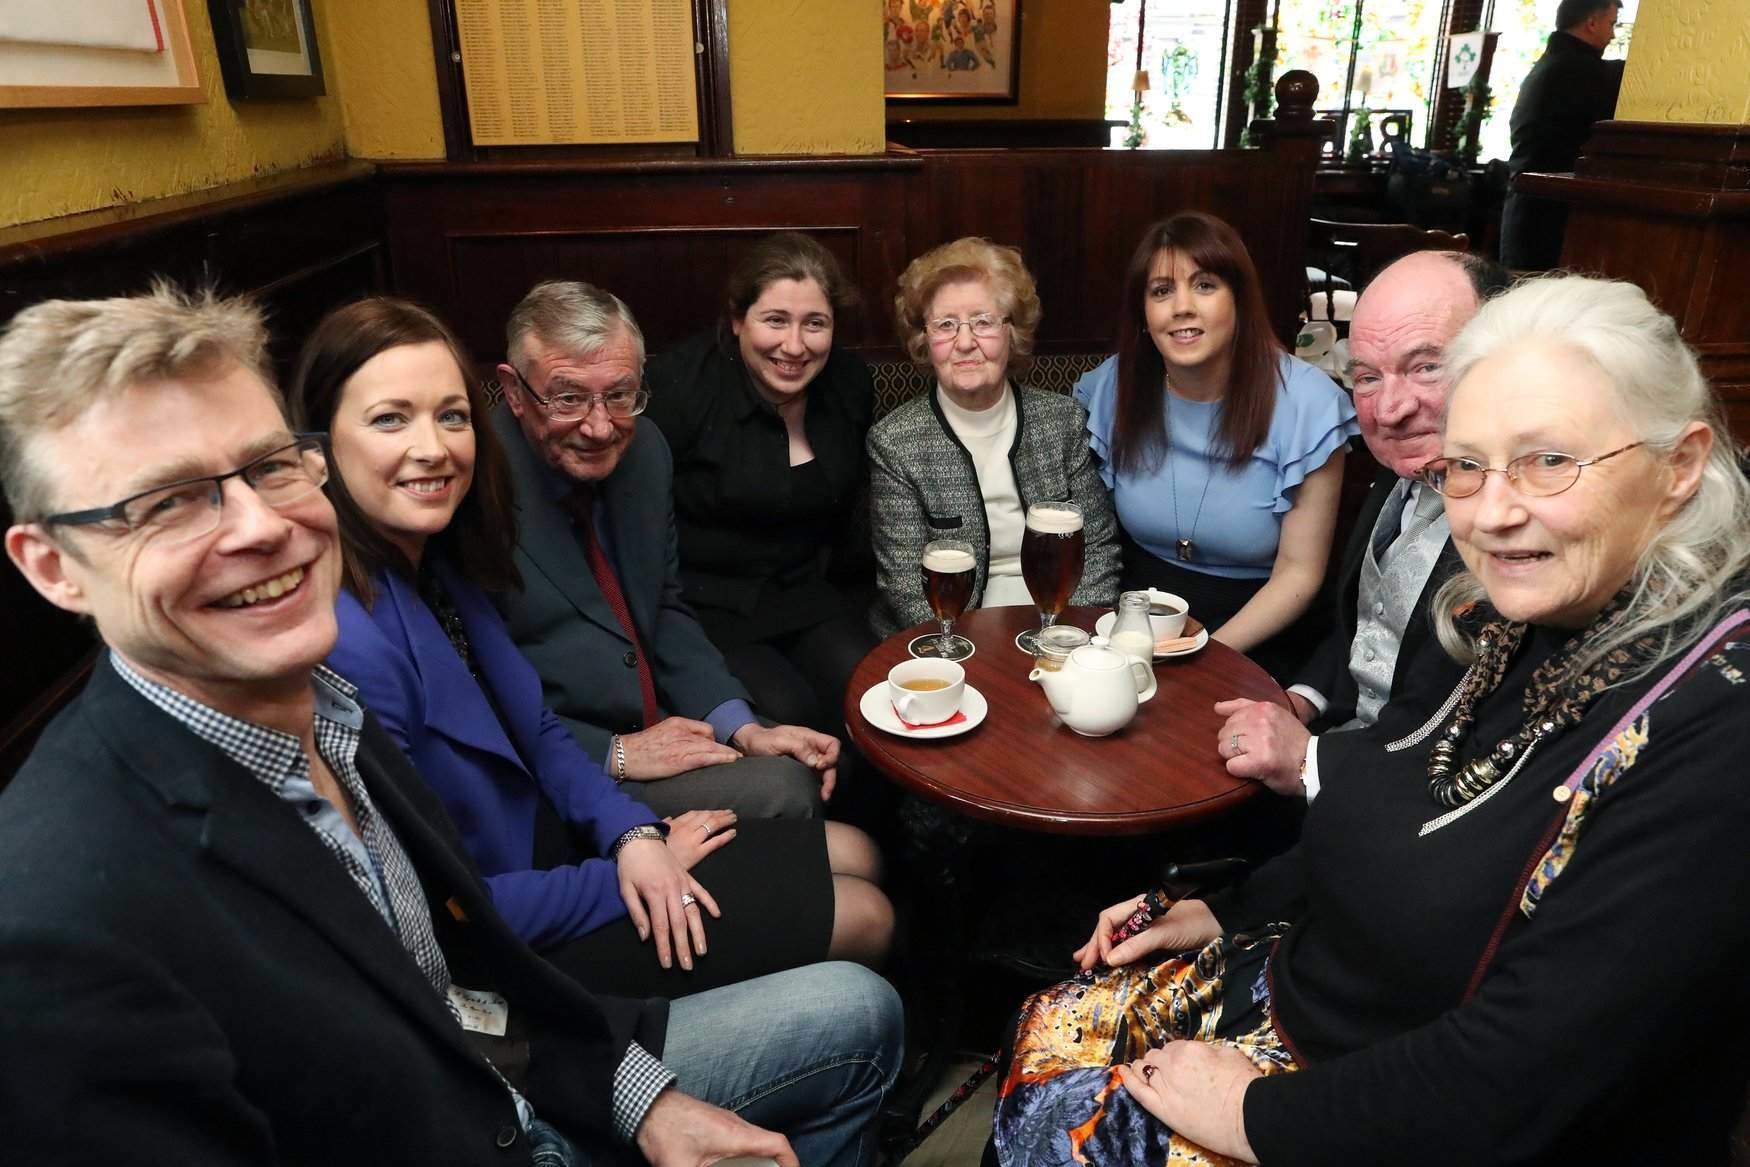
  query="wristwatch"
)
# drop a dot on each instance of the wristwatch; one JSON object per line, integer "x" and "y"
{"x": 657, "y": 831}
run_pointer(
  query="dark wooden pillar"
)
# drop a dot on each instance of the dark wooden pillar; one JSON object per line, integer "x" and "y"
{"x": 1298, "y": 138}
{"x": 1667, "y": 205}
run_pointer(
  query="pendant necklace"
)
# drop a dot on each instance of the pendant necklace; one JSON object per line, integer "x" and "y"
{"x": 1186, "y": 546}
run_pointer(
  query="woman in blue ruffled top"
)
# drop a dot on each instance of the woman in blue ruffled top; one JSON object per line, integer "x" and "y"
{"x": 1224, "y": 453}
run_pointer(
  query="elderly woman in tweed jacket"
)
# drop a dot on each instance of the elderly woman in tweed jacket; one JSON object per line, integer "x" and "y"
{"x": 966, "y": 460}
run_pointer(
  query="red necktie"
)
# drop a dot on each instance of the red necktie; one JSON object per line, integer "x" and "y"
{"x": 581, "y": 504}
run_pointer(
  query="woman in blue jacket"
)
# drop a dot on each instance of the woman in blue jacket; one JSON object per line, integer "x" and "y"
{"x": 583, "y": 872}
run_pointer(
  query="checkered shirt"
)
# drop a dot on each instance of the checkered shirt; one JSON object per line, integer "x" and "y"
{"x": 377, "y": 864}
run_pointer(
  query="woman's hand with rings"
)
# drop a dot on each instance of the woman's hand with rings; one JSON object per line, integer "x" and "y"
{"x": 663, "y": 900}
{"x": 1262, "y": 740}
{"x": 697, "y": 833}
{"x": 1198, "y": 1089}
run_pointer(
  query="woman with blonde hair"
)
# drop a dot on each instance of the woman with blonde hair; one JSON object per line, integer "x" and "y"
{"x": 965, "y": 460}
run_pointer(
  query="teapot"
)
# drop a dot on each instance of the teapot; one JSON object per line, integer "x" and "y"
{"x": 1097, "y": 690}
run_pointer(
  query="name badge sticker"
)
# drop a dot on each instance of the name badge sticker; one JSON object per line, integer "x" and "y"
{"x": 480, "y": 1011}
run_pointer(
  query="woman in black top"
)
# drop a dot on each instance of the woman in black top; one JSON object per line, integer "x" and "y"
{"x": 1513, "y": 930}
{"x": 766, "y": 417}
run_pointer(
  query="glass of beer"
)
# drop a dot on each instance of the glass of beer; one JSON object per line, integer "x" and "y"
{"x": 1051, "y": 561}
{"x": 949, "y": 569}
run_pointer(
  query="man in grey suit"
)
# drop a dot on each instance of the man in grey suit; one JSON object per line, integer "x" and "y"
{"x": 623, "y": 661}
{"x": 1400, "y": 552}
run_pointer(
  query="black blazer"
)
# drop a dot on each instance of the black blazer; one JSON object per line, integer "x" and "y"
{"x": 1328, "y": 670}
{"x": 188, "y": 976}
{"x": 763, "y": 545}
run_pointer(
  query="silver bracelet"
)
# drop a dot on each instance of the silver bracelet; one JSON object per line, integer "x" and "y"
{"x": 619, "y": 749}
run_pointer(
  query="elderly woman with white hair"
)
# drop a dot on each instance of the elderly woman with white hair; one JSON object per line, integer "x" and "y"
{"x": 1514, "y": 929}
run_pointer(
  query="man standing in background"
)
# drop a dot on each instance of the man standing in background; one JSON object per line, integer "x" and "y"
{"x": 1570, "y": 88}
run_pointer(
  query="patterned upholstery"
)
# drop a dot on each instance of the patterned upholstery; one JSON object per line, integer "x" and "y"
{"x": 897, "y": 381}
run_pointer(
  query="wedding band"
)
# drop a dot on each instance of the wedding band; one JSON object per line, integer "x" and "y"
{"x": 706, "y": 827}
{"x": 688, "y": 899}
{"x": 1235, "y": 741}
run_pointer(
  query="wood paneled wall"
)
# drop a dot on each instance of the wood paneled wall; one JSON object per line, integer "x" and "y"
{"x": 469, "y": 240}
{"x": 1667, "y": 206}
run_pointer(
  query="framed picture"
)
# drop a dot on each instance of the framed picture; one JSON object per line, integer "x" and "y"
{"x": 267, "y": 48}
{"x": 952, "y": 50}
{"x": 97, "y": 52}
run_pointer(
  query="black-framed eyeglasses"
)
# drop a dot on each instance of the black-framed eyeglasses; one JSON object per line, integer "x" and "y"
{"x": 191, "y": 508}
{"x": 569, "y": 405}
{"x": 1541, "y": 474}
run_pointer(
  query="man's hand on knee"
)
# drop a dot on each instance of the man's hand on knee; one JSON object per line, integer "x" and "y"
{"x": 672, "y": 746}
{"x": 681, "y": 1131}
{"x": 818, "y": 751}
{"x": 1264, "y": 741}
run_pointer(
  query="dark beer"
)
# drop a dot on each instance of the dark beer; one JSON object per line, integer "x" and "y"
{"x": 1051, "y": 556}
{"x": 948, "y": 574}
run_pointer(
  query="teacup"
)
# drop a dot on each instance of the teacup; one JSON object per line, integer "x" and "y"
{"x": 926, "y": 691}
{"x": 1166, "y": 615}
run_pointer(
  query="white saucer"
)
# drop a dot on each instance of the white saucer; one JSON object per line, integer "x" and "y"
{"x": 1103, "y": 627}
{"x": 877, "y": 709}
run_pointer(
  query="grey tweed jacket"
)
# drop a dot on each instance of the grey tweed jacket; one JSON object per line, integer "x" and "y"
{"x": 922, "y": 486}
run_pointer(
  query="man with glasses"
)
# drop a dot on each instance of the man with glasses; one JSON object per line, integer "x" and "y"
{"x": 625, "y": 663}
{"x": 1400, "y": 550}
{"x": 229, "y": 911}
{"x": 1569, "y": 90}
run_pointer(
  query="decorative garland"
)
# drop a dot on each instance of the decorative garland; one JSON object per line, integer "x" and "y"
{"x": 1478, "y": 100}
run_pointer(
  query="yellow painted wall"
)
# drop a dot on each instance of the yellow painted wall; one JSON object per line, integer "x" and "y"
{"x": 1688, "y": 63}
{"x": 805, "y": 77}
{"x": 63, "y": 161}
{"x": 1063, "y": 66}
{"x": 382, "y": 54}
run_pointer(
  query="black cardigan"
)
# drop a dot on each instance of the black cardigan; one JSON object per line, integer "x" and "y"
{"x": 1602, "y": 1029}
{"x": 762, "y": 544}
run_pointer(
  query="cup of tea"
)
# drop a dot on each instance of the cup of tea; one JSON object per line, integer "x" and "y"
{"x": 926, "y": 691}
{"x": 1166, "y": 615}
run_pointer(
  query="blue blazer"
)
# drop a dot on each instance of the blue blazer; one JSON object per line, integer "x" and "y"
{"x": 482, "y": 769}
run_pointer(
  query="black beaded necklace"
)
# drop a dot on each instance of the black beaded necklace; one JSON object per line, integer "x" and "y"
{"x": 1556, "y": 698}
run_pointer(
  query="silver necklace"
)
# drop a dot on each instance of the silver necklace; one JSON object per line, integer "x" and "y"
{"x": 1186, "y": 546}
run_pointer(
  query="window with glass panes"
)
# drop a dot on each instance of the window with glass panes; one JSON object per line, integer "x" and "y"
{"x": 1186, "y": 45}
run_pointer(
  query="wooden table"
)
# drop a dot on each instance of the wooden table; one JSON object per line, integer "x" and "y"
{"x": 1021, "y": 768}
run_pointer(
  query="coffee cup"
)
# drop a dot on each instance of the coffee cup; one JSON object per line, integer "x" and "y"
{"x": 926, "y": 691}
{"x": 1166, "y": 615}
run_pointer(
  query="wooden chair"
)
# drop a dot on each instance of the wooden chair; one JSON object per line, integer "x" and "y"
{"x": 1347, "y": 255}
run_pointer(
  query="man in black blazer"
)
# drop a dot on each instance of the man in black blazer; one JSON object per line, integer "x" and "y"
{"x": 234, "y": 924}
{"x": 1570, "y": 89}
{"x": 623, "y": 660}
{"x": 1399, "y": 552}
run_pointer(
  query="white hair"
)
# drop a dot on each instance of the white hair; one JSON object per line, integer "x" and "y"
{"x": 569, "y": 315}
{"x": 1687, "y": 574}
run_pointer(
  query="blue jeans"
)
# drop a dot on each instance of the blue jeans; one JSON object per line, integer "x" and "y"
{"x": 810, "y": 1053}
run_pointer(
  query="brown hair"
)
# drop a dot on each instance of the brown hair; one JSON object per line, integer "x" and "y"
{"x": 1011, "y": 285}
{"x": 481, "y": 538}
{"x": 787, "y": 255}
{"x": 1139, "y": 430}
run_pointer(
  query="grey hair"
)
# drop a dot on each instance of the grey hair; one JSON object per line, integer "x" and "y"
{"x": 60, "y": 357}
{"x": 1685, "y": 578}
{"x": 569, "y": 315}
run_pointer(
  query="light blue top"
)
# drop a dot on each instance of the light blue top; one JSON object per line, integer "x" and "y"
{"x": 1233, "y": 516}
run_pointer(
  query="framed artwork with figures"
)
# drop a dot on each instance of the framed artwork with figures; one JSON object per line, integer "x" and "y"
{"x": 951, "y": 50}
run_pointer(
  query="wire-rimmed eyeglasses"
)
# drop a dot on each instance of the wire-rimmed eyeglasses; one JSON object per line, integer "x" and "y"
{"x": 1541, "y": 474}
{"x": 569, "y": 405}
